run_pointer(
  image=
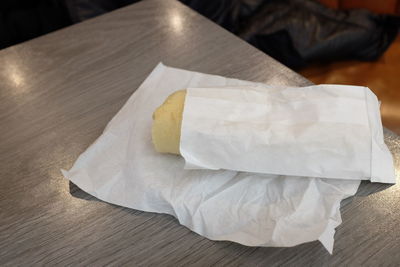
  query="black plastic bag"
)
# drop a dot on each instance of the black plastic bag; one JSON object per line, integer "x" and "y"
{"x": 297, "y": 32}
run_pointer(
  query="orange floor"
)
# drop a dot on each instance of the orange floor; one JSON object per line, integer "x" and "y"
{"x": 382, "y": 77}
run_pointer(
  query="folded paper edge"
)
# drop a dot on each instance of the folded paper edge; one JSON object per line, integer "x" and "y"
{"x": 382, "y": 167}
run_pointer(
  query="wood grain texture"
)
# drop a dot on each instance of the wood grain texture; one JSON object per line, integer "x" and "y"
{"x": 58, "y": 92}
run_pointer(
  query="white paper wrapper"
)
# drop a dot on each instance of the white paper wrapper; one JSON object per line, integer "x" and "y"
{"x": 122, "y": 167}
{"x": 330, "y": 131}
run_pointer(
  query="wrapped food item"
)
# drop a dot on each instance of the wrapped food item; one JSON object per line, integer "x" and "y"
{"x": 167, "y": 121}
{"x": 328, "y": 131}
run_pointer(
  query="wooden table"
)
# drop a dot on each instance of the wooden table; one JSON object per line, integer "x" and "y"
{"x": 58, "y": 92}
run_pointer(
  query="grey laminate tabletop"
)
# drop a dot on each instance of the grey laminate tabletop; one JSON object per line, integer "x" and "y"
{"x": 58, "y": 92}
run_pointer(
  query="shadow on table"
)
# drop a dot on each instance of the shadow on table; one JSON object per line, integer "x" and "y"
{"x": 367, "y": 188}
{"x": 75, "y": 191}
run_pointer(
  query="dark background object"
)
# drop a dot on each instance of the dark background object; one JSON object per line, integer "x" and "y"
{"x": 21, "y": 20}
{"x": 295, "y": 32}
{"x": 298, "y": 32}
{"x": 81, "y": 10}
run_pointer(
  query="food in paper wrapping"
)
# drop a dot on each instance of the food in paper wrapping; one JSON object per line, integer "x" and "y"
{"x": 167, "y": 121}
{"x": 317, "y": 131}
{"x": 123, "y": 168}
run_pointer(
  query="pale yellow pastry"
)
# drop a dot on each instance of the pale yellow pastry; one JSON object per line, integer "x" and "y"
{"x": 167, "y": 120}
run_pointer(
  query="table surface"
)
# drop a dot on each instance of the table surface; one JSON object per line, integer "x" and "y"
{"x": 58, "y": 92}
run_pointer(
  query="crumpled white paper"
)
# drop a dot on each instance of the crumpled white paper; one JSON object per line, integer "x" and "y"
{"x": 122, "y": 167}
{"x": 329, "y": 131}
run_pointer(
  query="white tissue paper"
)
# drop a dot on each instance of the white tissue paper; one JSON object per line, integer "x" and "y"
{"x": 329, "y": 131}
{"x": 122, "y": 167}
